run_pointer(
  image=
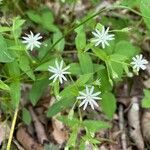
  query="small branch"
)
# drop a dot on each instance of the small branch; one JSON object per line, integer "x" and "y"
{"x": 42, "y": 137}
{"x": 121, "y": 126}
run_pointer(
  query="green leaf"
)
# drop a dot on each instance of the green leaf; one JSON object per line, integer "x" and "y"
{"x": 14, "y": 70}
{"x": 100, "y": 53}
{"x": 75, "y": 69}
{"x": 144, "y": 7}
{"x": 72, "y": 123}
{"x": 44, "y": 66}
{"x": 73, "y": 138}
{"x": 24, "y": 65}
{"x": 5, "y": 55}
{"x": 83, "y": 79}
{"x": 105, "y": 84}
{"x": 118, "y": 57}
{"x": 26, "y": 117}
{"x": 59, "y": 46}
{"x": 15, "y": 93}
{"x": 130, "y": 3}
{"x": 51, "y": 147}
{"x": 37, "y": 90}
{"x": 69, "y": 91}
{"x": 108, "y": 104}
{"x": 146, "y": 99}
{"x": 85, "y": 63}
{"x": 4, "y": 86}
{"x": 94, "y": 126}
{"x": 4, "y": 29}
{"x": 80, "y": 40}
{"x": 44, "y": 18}
{"x": 17, "y": 27}
{"x": 125, "y": 48}
{"x": 60, "y": 105}
{"x": 34, "y": 16}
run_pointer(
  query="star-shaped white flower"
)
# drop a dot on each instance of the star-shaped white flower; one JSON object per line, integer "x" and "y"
{"x": 58, "y": 72}
{"x": 32, "y": 40}
{"x": 139, "y": 62}
{"x": 89, "y": 98}
{"x": 102, "y": 37}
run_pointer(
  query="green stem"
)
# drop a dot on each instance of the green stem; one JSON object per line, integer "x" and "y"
{"x": 12, "y": 129}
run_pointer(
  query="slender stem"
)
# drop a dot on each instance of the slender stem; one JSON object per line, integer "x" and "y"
{"x": 12, "y": 129}
{"x": 18, "y": 7}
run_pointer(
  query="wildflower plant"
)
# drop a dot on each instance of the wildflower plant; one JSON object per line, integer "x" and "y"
{"x": 81, "y": 79}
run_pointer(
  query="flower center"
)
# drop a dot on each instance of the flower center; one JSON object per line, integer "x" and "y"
{"x": 88, "y": 97}
{"x": 59, "y": 72}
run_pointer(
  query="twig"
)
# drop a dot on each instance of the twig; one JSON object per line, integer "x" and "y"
{"x": 42, "y": 137}
{"x": 121, "y": 126}
{"x": 134, "y": 123}
{"x": 12, "y": 129}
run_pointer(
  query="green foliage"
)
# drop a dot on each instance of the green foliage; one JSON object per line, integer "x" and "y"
{"x": 37, "y": 90}
{"x": 108, "y": 104}
{"x": 51, "y": 147}
{"x": 144, "y": 7}
{"x": 44, "y": 18}
{"x": 146, "y": 99}
{"x": 94, "y": 125}
{"x": 24, "y": 65}
{"x": 60, "y": 46}
{"x": 4, "y": 86}
{"x": 69, "y": 38}
{"x": 80, "y": 40}
{"x": 5, "y": 55}
{"x": 26, "y": 116}
{"x": 85, "y": 63}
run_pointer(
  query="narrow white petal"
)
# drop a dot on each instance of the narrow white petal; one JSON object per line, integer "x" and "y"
{"x": 85, "y": 105}
{"x": 60, "y": 79}
{"x": 87, "y": 90}
{"x": 92, "y": 90}
{"x": 63, "y": 77}
{"x": 95, "y": 103}
{"x": 96, "y": 94}
{"x": 61, "y": 65}
{"x": 66, "y": 68}
{"x": 81, "y": 97}
{"x": 96, "y": 98}
{"x": 82, "y": 103}
{"x": 81, "y": 93}
{"x": 55, "y": 79}
{"x": 53, "y": 76}
{"x": 143, "y": 67}
{"x": 91, "y": 104}
{"x": 56, "y": 63}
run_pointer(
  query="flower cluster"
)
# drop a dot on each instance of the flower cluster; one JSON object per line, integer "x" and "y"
{"x": 59, "y": 72}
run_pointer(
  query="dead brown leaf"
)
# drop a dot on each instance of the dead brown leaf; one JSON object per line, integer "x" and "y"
{"x": 59, "y": 133}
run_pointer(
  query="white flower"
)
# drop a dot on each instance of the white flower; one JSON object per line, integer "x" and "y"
{"x": 58, "y": 72}
{"x": 32, "y": 40}
{"x": 102, "y": 37}
{"x": 89, "y": 98}
{"x": 139, "y": 62}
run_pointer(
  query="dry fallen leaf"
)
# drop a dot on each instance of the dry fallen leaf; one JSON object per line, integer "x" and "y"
{"x": 134, "y": 124}
{"x": 59, "y": 134}
{"x": 146, "y": 125}
{"x": 4, "y": 131}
